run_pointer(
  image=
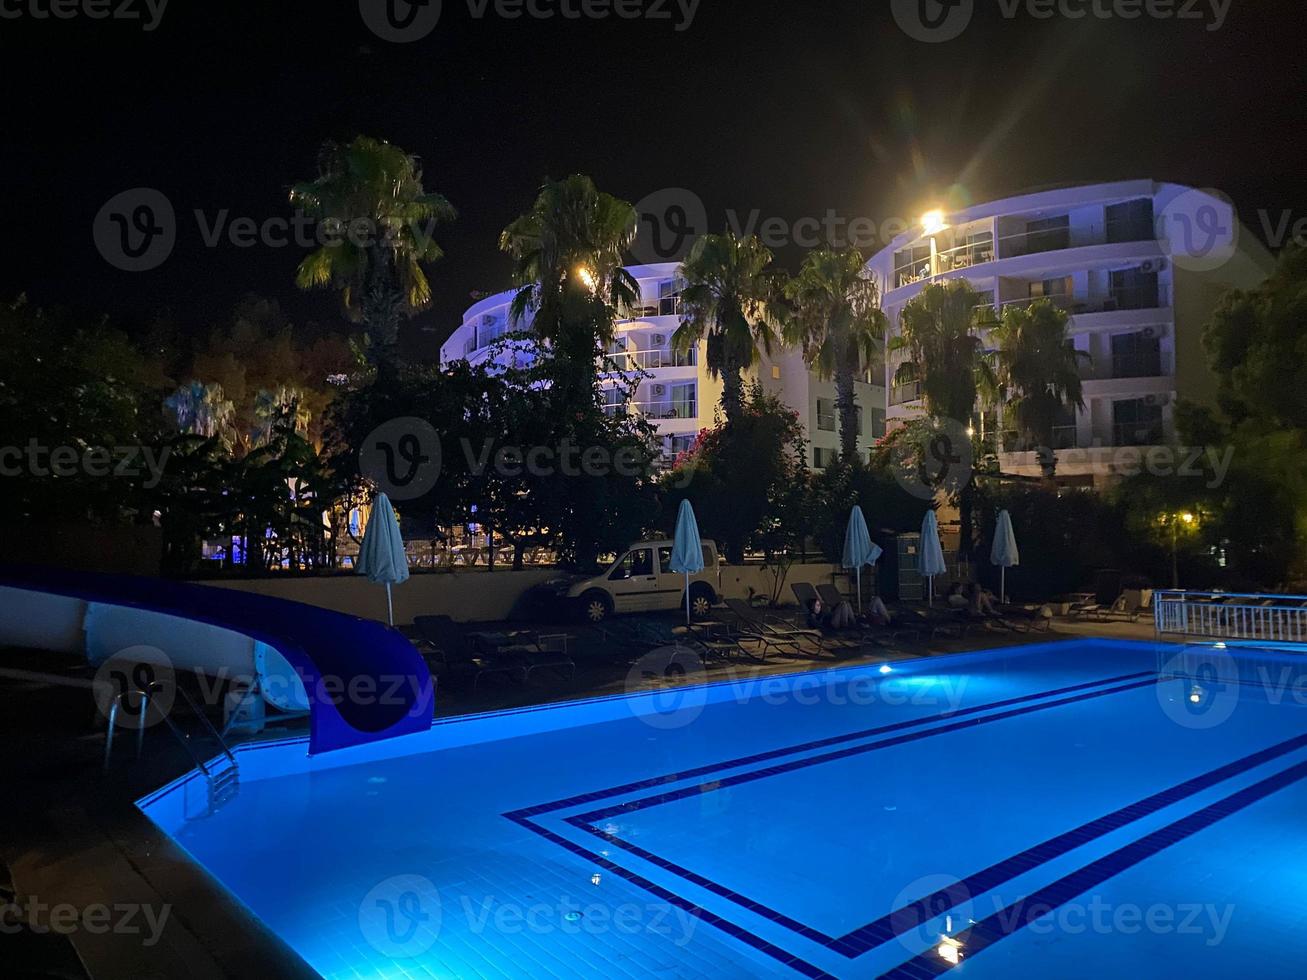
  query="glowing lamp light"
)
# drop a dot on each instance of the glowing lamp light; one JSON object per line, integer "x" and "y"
{"x": 886, "y": 669}
{"x": 949, "y": 950}
{"x": 1188, "y": 518}
{"x": 586, "y": 276}
{"x": 595, "y": 879}
{"x": 1196, "y": 695}
{"x": 933, "y": 222}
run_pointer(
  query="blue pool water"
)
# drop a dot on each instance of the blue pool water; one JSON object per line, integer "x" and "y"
{"x": 1060, "y": 810}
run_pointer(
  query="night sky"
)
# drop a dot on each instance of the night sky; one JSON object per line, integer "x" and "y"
{"x": 789, "y": 110}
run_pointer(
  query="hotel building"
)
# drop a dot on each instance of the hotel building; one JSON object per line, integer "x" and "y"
{"x": 674, "y": 390}
{"x": 1139, "y": 266}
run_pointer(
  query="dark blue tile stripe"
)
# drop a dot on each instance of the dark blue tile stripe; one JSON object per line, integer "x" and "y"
{"x": 910, "y": 916}
{"x": 1015, "y": 917}
{"x": 855, "y": 943}
{"x": 722, "y": 782}
{"x": 808, "y": 746}
{"x": 743, "y": 935}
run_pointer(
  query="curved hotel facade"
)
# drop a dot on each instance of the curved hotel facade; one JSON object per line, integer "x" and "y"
{"x": 1139, "y": 266}
{"x": 675, "y": 391}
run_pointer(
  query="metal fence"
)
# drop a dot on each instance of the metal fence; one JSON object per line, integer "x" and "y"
{"x": 1224, "y": 615}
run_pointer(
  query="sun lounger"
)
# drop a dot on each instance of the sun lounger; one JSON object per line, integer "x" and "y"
{"x": 774, "y": 635}
{"x": 880, "y": 635}
{"x": 452, "y": 655}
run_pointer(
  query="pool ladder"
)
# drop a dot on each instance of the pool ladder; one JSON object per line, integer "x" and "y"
{"x": 222, "y": 781}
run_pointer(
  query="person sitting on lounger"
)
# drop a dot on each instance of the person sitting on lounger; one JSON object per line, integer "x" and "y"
{"x": 816, "y": 614}
{"x": 981, "y": 602}
{"x": 877, "y": 614}
{"x": 957, "y": 598}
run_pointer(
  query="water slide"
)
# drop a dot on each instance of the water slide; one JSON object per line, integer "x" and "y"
{"x": 359, "y": 680}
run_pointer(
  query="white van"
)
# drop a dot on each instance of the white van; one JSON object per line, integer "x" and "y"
{"x": 641, "y": 581}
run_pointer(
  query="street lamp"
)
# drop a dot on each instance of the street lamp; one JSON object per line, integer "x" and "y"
{"x": 933, "y": 222}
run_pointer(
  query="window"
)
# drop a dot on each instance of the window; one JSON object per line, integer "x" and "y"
{"x": 1134, "y": 289}
{"x": 878, "y": 423}
{"x": 681, "y": 444}
{"x": 490, "y": 330}
{"x": 826, "y": 420}
{"x": 1051, "y": 287}
{"x": 911, "y": 264}
{"x": 775, "y": 372}
{"x": 636, "y": 564}
{"x": 1131, "y": 222}
{"x": 614, "y": 402}
{"x": 684, "y": 401}
{"x": 669, "y": 298}
{"x": 1048, "y": 234}
{"x": 1136, "y": 355}
{"x": 665, "y": 559}
{"x": 1137, "y": 422}
{"x": 858, "y": 409}
{"x": 824, "y": 458}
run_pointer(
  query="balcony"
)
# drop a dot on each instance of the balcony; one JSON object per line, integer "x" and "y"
{"x": 1064, "y": 437}
{"x": 663, "y": 411}
{"x": 903, "y": 394}
{"x": 653, "y": 360}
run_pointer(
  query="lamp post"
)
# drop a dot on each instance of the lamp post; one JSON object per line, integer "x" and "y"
{"x": 1188, "y": 519}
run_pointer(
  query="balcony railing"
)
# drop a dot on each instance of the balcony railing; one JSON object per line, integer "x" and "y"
{"x": 902, "y": 394}
{"x": 1064, "y": 437}
{"x": 1138, "y": 433}
{"x": 1009, "y": 247}
{"x": 652, "y": 360}
{"x": 658, "y": 411}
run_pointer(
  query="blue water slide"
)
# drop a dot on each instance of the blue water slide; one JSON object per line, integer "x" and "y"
{"x": 364, "y": 681}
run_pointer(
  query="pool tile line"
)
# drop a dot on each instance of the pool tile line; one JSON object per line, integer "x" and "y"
{"x": 584, "y": 798}
{"x": 855, "y": 943}
{"x": 697, "y": 789}
{"x": 1017, "y": 916}
{"x": 782, "y": 956}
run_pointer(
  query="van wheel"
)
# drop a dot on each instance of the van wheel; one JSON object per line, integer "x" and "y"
{"x": 701, "y": 600}
{"x": 596, "y": 606}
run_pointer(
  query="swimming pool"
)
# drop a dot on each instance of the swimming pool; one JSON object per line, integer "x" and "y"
{"x": 1057, "y": 810}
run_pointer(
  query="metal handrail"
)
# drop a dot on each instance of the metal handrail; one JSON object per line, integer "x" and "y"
{"x": 1226, "y": 615}
{"x": 145, "y": 695}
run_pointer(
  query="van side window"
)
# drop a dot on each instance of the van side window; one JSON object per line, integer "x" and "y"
{"x": 664, "y": 560}
{"x": 636, "y": 564}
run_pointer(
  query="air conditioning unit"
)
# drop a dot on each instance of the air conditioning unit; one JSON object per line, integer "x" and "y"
{"x": 1162, "y": 400}
{"x": 658, "y": 340}
{"x": 659, "y": 390}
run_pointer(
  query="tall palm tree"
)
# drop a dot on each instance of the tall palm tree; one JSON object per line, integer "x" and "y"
{"x": 376, "y": 221}
{"x": 835, "y": 318}
{"x": 944, "y": 354}
{"x": 1039, "y": 372}
{"x": 727, "y": 285}
{"x": 568, "y": 252}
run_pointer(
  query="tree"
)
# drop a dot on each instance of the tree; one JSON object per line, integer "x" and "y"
{"x": 944, "y": 355}
{"x": 569, "y": 274}
{"x": 376, "y": 222}
{"x": 728, "y": 284}
{"x": 835, "y": 317}
{"x": 739, "y": 476}
{"x": 1038, "y": 370}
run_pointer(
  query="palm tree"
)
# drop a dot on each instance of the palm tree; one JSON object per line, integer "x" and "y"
{"x": 944, "y": 353}
{"x": 945, "y": 357}
{"x": 835, "y": 318}
{"x": 568, "y": 250}
{"x": 1039, "y": 372}
{"x": 376, "y": 221}
{"x": 727, "y": 285}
